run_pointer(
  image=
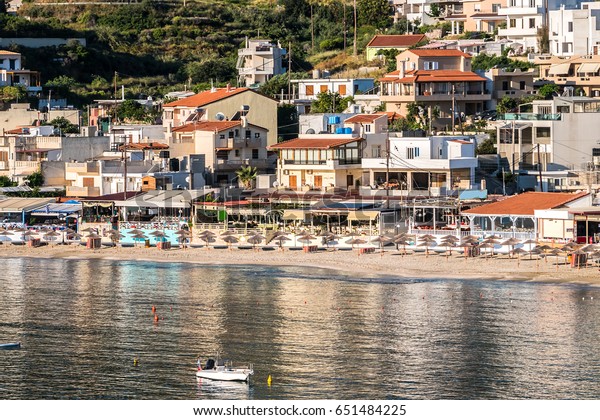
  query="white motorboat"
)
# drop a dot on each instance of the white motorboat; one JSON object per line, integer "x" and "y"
{"x": 220, "y": 370}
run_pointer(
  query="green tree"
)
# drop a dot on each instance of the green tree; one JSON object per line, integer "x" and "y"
{"x": 6, "y": 182}
{"x": 246, "y": 175}
{"x": 506, "y": 104}
{"x": 64, "y": 125}
{"x": 217, "y": 69}
{"x": 486, "y": 147}
{"x": 62, "y": 84}
{"x": 131, "y": 110}
{"x": 547, "y": 91}
{"x": 12, "y": 93}
{"x": 36, "y": 179}
{"x": 2, "y": 7}
{"x": 329, "y": 102}
{"x": 374, "y": 13}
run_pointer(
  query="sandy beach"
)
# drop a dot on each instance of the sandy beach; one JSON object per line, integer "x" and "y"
{"x": 392, "y": 263}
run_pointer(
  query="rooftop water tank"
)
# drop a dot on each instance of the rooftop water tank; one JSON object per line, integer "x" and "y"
{"x": 339, "y": 130}
{"x": 334, "y": 120}
{"x": 347, "y": 130}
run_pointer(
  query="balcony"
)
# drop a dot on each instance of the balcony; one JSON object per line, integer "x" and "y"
{"x": 520, "y": 11}
{"x": 528, "y": 116}
{"x": 328, "y": 164}
{"x": 224, "y": 143}
{"x": 233, "y": 164}
{"x": 517, "y": 32}
{"x": 82, "y": 191}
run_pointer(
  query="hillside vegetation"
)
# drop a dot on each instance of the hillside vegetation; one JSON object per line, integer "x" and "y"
{"x": 153, "y": 47}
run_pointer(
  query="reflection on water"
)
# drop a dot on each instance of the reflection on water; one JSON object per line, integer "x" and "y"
{"x": 223, "y": 390}
{"x": 319, "y": 334}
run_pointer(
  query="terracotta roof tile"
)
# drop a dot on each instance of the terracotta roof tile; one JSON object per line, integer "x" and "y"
{"x": 325, "y": 142}
{"x": 433, "y": 76}
{"x": 207, "y": 126}
{"x": 206, "y": 97}
{"x": 363, "y": 118}
{"x": 526, "y": 203}
{"x": 424, "y": 52}
{"x": 391, "y": 41}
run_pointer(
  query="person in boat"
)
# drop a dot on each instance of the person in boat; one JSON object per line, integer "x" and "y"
{"x": 199, "y": 363}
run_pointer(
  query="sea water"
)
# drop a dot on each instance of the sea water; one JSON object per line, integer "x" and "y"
{"x": 88, "y": 332}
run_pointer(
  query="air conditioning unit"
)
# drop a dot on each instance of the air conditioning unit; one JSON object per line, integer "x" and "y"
{"x": 286, "y": 172}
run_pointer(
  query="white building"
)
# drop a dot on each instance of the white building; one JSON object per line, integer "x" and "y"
{"x": 258, "y": 61}
{"x": 525, "y": 17}
{"x": 561, "y": 134}
{"x": 435, "y": 164}
{"x": 575, "y": 31}
{"x": 12, "y": 73}
{"x": 308, "y": 89}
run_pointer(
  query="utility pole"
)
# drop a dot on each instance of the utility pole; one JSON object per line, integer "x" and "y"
{"x": 453, "y": 109}
{"x": 115, "y": 110}
{"x": 540, "y": 168}
{"x": 355, "y": 27}
{"x": 289, "y": 72}
{"x": 387, "y": 170}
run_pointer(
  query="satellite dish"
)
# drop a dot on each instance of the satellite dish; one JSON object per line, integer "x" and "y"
{"x": 310, "y": 131}
{"x": 220, "y": 116}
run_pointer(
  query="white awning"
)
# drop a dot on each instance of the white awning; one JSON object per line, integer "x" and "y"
{"x": 295, "y": 214}
{"x": 363, "y": 215}
{"x": 588, "y": 68}
{"x": 559, "y": 69}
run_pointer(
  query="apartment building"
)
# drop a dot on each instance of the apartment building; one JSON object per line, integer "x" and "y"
{"x": 258, "y": 61}
{"x": 575, "y": 32}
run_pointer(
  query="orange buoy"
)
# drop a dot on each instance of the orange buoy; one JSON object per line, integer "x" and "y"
{"x": 155, "y": 318}
{"x": 153, "y": 308}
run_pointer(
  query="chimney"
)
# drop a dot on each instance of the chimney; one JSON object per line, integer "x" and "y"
{"x": 402, "y": 69}
{"x": 228, "y": 87}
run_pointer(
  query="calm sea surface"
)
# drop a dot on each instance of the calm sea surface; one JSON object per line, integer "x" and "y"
{"x": 319, "y": 334}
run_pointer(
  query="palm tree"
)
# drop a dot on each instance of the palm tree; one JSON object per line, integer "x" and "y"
{"x": 246, "y": 175}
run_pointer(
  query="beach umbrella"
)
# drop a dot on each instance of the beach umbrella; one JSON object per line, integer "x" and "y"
{"x": 381, "y": 240}
{"x": 139, "y": 237}
{"x": 255, "y": 240}
{"x": 448, "y": 245}
{"x": 203, "y": 233}
{"x": 510, "y": 242}
{"x": 227, "y": 233}
{"x": 134, "y": 232}
{"x": 94, "y": 236}
{"x": 306, "y": 239}
{"x": 74, "y": 235}
{"x": 229, "y": 240}
{"x": 402, "y": 242}
{"x": 182, "y": 239}
{"x": 51, "y": 235}
{"x": 329, "y": 238}
{"x": 88, "y": 230}
{"x": 518, "y": 252}
{"x": 426, "y": 237}
{"x": 116, "y": 237}
{"x": 450, "y": 238}
{"x": 578, "y": 259}
{"x": 356, "y": 241}
{"x": 281, "y": 239}
{"x": 69, "y": 230}
{"x": 427, "y": 244}
{"x": 207, "y": 238}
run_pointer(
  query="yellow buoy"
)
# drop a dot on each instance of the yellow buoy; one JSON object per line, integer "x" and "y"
{"x": 135, "y": 362}
{"x": 269, "y": 380}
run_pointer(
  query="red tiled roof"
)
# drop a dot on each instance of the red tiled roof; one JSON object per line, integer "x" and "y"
{"x": 460, "y": 141}
{"x": 433, "y": 76}
{"x": 424, "y": 52}
{"x": 391, "y": 41}
{"x": 154, "y": 145}
{"x": 363, "y": 118}
{"x": 206, "y": 97}
{"x": 325, "y": 142}
{"x": 207, "y": 126}
{"x": 526, "y": 203}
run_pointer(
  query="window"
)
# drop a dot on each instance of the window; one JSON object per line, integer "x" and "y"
{"x": 412, "y": 152}
{"x": 231, "y": 134}
{"x": 256, "y": 135}
{"x": 367, "y": 128}
{"x": 532, "y": 23}
{"x": 512, "y": 23}
{"x": 563, "y": 109}
{"x": 323, "y": 88}
{"x": 342, "y": 89}
{"x": 522, "y": 85}
{"x": 505, "y": 85}
{"x": 376, "y": 151}
{"x": 222, "y": 136}
{"x": 430, "y": 65}
{"x": 248, "y": 134}
{"x": 569, "y": 26}
{"x": 542, "y": 132}
{"x": 495, "y": 7}
{"x": 310, "y": 90}
{"x": 254, "y": 153}
{"x": 478, "y": 8}
{"x": 595, "y": 151}
{"x": 237, "y": 152}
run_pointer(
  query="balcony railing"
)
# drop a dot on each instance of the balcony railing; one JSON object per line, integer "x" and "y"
{"x": 349, "y": 161}
{"x": 527, "y": 116}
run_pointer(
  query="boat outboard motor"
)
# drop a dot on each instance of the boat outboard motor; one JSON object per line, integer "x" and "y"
{"x": 210, "y": 364}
